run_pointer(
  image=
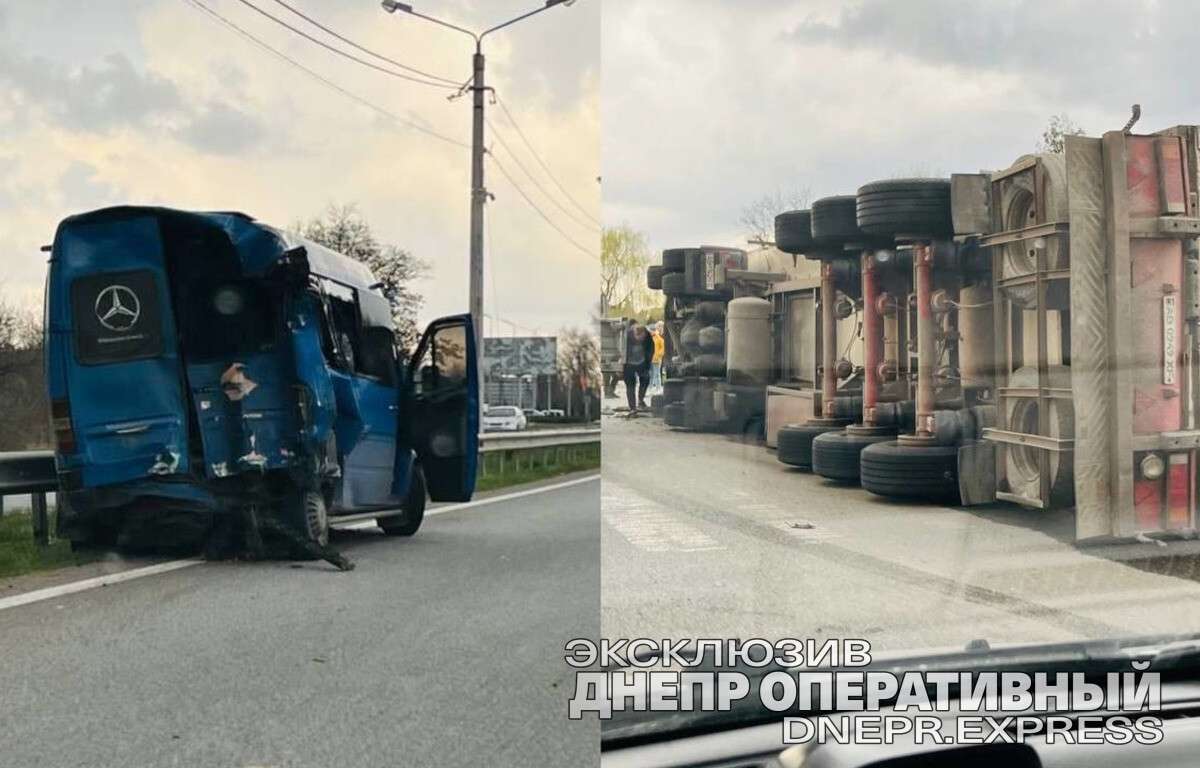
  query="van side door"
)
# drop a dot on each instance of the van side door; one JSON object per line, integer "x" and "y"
{"x": 443, "y": 407}
{"x": 358, "y": 344}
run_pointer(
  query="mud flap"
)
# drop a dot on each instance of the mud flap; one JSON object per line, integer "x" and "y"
{"x": 977, "y": 472}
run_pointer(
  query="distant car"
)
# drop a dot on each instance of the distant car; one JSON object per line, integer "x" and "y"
{"x": 531, "y": 413}
{"x": 554, "y": 413}
{"x": 504, "y": 418}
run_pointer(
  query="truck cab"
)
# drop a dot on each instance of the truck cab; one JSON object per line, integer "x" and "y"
{"x": 205, "y": 365}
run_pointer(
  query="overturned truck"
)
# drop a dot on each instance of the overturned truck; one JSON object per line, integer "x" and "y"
{"x": 718, "y": 357}
{"x": 1026, "y": 336}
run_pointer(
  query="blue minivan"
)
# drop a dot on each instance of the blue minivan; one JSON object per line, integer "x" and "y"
{"x": 206, "y": 364}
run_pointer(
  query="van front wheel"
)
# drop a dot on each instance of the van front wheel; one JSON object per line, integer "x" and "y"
{"x": 407, "y": 523}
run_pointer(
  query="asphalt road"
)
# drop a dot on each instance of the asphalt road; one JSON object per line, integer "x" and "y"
{"x": 706, "y": 537}
{"x": 444, "y": 649}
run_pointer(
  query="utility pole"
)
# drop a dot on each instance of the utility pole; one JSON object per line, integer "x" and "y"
{"x": 479, "y": 193}
{"x": 478, "y": 197}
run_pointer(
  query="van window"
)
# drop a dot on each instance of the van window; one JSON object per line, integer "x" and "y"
{"x": 378, "y": 357}
{"x": 117, "y": 317}
{"x": 443, "y": 362}
{"x": 226, "y": 318}
{"x": 341, "y": 326}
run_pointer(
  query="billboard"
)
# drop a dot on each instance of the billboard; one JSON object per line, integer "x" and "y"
{"x": 520, "y": 356}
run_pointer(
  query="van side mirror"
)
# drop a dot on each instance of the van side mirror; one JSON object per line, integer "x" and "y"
{"x": 291, "y": 269}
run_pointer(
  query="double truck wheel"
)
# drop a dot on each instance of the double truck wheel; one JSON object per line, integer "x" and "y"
{"x": 675, "y": 415}
{"x": 793, "y": 443}
{"x": 926, "y": 473}
{"x": 835, "y": 455}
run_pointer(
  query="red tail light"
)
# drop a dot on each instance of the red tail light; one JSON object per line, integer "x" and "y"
{"x": 1179, "y": 484}
{"x": 60, "y": 422}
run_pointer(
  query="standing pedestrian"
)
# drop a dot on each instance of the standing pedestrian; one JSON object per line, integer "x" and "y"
{"x": 656, "y": 362}
{"x": 639, "y": 351}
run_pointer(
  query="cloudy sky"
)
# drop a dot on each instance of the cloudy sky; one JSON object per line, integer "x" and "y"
{"x": 709, "y": 104}
{"x": 151, "y": 101}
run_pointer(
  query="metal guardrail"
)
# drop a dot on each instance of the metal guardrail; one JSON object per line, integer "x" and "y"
{"x": 537, "y": 438}
{"x": 33, "y": 472}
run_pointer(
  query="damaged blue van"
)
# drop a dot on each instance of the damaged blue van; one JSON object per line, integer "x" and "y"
{"x": 203, "y": 366}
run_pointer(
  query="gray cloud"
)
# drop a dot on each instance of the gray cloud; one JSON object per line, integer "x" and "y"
{"x": 82, "y": 188}
{"x": 1076, "y": 50}
{"x": 112, "y": 93}
{"x": 222, "y": 130}
{"x": 92, "y": 97}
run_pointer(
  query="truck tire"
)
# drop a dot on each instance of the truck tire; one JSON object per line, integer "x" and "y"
{"x": 673, "y": 284}
{"x": 793, "y": 232}
{"x": 710, "y": 312}
{"x": 793, "y": 444}
{"x": 834, "y": 220}
{"x": 654, "y": 276}
{"x": 905, "y": 206}
{"x": 712, "y": 339}
{"x": 672, "y": 391}
{"x": 407, "y": 523}
{"x": 710, "y": 365}
{"x": 675, "y": 414}
{"x": 1021, "y": 462}
{"x": 910, "y": 472}
{"x": 673, "y": 259}
{"x": 689, "y": 336}
{"x": 835, "y": 455}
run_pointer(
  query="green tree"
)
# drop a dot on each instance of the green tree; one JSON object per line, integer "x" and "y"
{"x": 341, "y": 228}
{"x": 1056, "y": 132}
{"x": 624, "y": 257}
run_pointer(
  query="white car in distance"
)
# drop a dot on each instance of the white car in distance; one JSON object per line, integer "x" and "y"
{"x": 503, "y": 418}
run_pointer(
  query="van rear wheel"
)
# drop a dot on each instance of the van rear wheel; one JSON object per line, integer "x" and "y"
{"x": 308, "y": 516}
{"x": 408, "y": 521}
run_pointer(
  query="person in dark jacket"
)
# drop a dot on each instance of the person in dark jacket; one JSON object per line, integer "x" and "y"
{"x": 639, "y": 351}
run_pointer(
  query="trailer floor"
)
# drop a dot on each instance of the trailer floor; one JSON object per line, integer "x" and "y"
{"x": 705, "y": 536}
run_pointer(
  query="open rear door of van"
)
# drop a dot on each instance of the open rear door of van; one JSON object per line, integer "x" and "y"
{"x": 443, "y": 410}
{"x": 114, "y": 350}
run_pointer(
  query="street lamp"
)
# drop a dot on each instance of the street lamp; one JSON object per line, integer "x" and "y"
{"x": 479, "y": 192}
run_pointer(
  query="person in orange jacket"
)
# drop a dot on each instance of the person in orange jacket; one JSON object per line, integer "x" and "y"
{"x": 656, "y": 361}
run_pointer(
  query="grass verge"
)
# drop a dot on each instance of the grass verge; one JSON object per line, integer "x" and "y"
{"x": 19, "y": 554}
{"x": 502, "y": 469}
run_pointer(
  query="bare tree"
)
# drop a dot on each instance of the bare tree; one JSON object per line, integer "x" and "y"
{"x": 579, "y": 365}
{"x": 25, "y": 418}
{"x": 758, "y": 216}
{"x": 1057, "y": 130}
{"x": 624, "y": 257}
{"x": 343, "y": 229}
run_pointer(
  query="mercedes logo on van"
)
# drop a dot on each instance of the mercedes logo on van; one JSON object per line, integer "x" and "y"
{"x": 117, "y": 308}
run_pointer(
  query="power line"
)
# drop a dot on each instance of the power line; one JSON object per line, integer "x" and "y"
{"x": 542, "y": 163}
{"x": 342, "y": 53}
{"x": 534, "y": 206}
{"x": 328, "y": 83}
{"x": 365, "y": 50}
{"x": 573, "y": 217}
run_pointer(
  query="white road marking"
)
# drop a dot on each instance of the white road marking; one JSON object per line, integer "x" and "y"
{"x": 50, "y": 593}
{"x": 649, "y": 525}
